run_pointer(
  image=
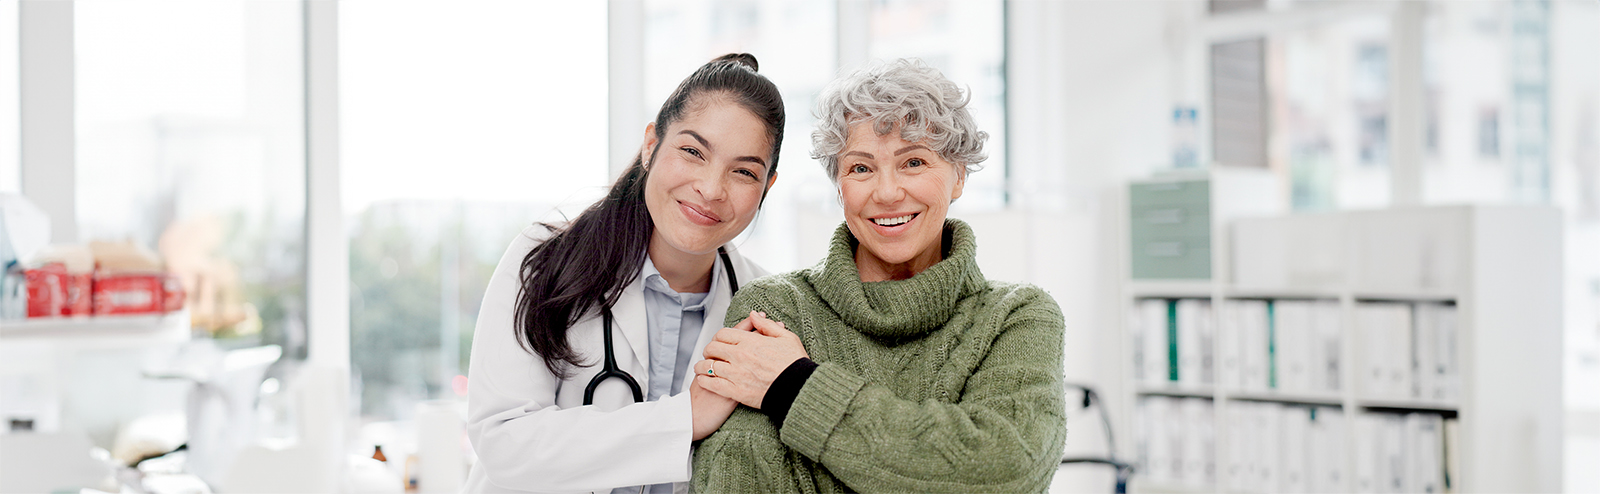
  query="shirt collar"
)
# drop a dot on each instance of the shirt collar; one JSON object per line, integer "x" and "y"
{"x": 691, "y": 301}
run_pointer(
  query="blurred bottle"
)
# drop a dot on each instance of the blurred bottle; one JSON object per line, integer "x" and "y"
{"x": 1185, "y": 137}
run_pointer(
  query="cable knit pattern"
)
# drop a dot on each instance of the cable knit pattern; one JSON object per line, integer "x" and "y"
{"x": 944, "y": 382}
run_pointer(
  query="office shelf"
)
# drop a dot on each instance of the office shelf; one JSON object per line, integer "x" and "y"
{"x": 1498, "y": 266}
{"x": 1170, "y": 289}
{"x": 1322, "y": 399}
{"x": 173, "y": 326}
{"x": 1190, "y": 392}
{"x": 1282, "y": 293}
{"x": 1168, "y": 488}
{"x": 1403, "y": 404}
{"x": 1399, "y": 296}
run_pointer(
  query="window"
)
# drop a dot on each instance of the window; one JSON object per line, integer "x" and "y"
{"x": 1489, "y": 134}
{"x": 795, "y": 43}
{"x": 1332, "y": 100}
{"x": 191, "y": 141}
{"x": 1370, "y": 91}
{"x": 964, "y": 39}
{"x": 434, "y": 187}
{"x": 1467, "y": 45}
{"x": 10, "y": 113}
{"x": 461, "y": 124}
{"x": 1514, "y": 100}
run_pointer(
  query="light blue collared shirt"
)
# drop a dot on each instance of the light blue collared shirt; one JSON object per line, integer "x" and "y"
{"x": 673, "y": 322}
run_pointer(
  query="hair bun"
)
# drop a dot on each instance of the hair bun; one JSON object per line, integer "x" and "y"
{"x": 744, "y": 59}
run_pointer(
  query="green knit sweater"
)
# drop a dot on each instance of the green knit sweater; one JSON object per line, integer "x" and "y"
{"x": 945, "y": 382}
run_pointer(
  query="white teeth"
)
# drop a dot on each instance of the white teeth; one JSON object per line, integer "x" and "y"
{"x": 892, "y": 221}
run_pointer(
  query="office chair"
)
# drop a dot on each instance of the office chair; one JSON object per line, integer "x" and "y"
{"x": 1124, "y": 469}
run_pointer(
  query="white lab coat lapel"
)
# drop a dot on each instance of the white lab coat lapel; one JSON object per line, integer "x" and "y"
{"x": 630, "y": 321}
{"x": 630, "y": 314}
{"x": 716, "y": 309}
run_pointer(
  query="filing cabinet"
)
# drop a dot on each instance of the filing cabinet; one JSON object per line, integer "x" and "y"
{"x": 1174, "y": 221}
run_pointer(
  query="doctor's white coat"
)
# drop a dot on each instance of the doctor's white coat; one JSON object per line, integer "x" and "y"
{"x": 531, "y": 431}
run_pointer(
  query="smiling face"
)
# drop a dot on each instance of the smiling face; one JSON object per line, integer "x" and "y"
{"x": 706, "y": 177}
{"x": 896, "y": 195}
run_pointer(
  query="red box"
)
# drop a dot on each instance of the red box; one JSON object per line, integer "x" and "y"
{"x": 172, "y": 295}
{"x": 136, "y": 293}
{"x": 78, "y": 289}
{"x": 47, "y": 293}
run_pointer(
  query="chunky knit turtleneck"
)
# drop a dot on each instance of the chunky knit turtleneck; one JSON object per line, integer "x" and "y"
{"x": 902, "y": 308}
{"x": 943, "y": 382}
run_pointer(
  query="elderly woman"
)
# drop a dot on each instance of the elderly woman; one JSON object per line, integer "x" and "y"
{"x": 906, "y": 370}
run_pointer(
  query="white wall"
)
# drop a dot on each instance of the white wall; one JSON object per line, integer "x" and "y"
{"x": 1091, "y": 85}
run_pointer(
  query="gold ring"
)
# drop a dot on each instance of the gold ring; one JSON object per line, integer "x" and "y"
{"x": 712, "y": 370}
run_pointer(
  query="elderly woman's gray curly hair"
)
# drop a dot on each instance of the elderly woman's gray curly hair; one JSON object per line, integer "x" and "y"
{"x": 927, "y": 106}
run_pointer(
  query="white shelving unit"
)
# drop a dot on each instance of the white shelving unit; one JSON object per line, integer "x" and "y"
{"x": 99, "y": 330}
{"x": 1500, "y": 266}
{"x": 83, "y": 374}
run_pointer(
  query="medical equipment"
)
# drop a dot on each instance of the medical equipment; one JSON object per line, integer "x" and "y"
{"x": 224, "y": 386}
{"x": 610, "y": 368}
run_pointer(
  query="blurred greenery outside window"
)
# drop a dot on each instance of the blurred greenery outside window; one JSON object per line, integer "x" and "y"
{"x": 418, "y": 270}
{"x": 510, "y": 129}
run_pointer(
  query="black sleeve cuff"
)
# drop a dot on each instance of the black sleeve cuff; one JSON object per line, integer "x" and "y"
{"x": 781, "y": 394}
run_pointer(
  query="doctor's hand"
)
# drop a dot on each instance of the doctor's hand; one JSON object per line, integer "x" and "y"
{"x": 745, "y": 363}
{"x": 709, "y": 410}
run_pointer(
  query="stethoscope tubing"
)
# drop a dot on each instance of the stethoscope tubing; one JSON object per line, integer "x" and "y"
{"x": 610, "y": 368}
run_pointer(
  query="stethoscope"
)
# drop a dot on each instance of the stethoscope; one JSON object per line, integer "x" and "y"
{"x": 611, "y": 370}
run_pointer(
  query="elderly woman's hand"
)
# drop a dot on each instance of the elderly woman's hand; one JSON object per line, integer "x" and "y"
{"x": 743, "y": 364}
{"x": 709, "y": 410}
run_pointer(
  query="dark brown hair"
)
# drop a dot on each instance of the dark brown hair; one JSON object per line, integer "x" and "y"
{"x": 585, "y": 265}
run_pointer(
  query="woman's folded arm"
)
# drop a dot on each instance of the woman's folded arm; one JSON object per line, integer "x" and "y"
{"x": 1004, "y": 433}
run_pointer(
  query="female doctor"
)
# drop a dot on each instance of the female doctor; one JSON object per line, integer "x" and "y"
{"x": 589, "y": 331}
